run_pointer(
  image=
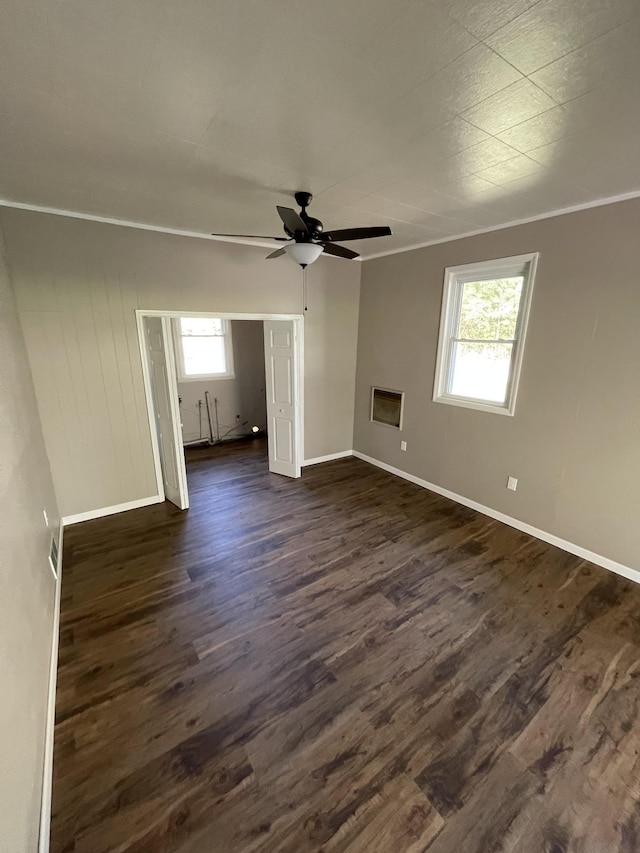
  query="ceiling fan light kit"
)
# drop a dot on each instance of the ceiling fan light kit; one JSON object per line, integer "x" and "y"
{"x": 306, "y": 239}
{"x": 304, "y": 253}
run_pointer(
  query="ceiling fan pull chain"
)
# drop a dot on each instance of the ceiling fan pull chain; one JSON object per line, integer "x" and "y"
{"x": 304, "y": 287}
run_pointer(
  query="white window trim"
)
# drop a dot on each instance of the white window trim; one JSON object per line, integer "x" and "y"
{"x": 202, "y": 377}
{"x": 454, "y": 277}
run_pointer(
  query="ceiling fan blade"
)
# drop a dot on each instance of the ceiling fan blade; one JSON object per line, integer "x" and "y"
{"x": 340, "y": 251}
{"x": 292, "y": 220}
{"x": 253, "y": 236}
{"x": 356, "y": 233}
{"x": 275, "y": 254}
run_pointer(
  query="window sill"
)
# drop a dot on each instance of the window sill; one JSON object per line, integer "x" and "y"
{"x": 464, "y": 403}
{"x": 207, "y": 377}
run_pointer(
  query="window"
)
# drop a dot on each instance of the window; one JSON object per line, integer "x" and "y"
{"x": 204, "y": 348}
{"x": 386, "y": 407}
{"x": 485, "y": 308}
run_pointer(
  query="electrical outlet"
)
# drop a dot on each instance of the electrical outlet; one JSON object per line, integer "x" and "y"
{"x": 512, "y": 483}
{"x": 403, "y": 445}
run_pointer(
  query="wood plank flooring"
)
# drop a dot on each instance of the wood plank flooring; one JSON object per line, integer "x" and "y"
{"x": 343, "y": 663}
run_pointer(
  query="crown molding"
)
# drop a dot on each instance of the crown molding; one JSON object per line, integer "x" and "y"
{"x": 199, "y": 235}
{"x": 601, "y": 202}
{"x": 125, "y": 223}
{"x": 144, "y": 226}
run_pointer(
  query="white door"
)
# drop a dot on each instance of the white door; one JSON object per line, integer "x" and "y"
{"x": 282, "y": 391}
{"x": 162, "y": 371}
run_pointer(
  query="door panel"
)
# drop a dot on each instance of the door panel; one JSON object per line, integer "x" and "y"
{"x": 283, "y": 450}
{"x": 163, "y": 416}
{"x": 280, "y": 338}
{"x": 282, "y": 390}
{"x": 280, "y": 371}
{"x": 166, "y": 409}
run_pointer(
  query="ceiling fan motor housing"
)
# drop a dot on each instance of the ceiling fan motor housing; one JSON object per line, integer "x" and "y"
{"x": 314, "y": 225}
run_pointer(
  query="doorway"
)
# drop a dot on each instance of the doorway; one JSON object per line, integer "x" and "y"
{"x": 283, "y": 354}
{"x": 221, "y": 379}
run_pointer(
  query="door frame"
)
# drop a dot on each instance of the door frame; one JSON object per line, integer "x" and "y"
{"x": 298, "y": 342}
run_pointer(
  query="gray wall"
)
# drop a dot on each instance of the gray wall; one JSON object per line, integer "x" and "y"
{"x": 78, "y": 284}
{"x": 243, "y": 395}
{"x": 27, "y": 587}
{"x": 574, "y": 442}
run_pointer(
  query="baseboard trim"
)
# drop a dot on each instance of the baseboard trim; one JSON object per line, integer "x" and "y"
{"x": 328, "y": 458}
{"x": 111, "y": 510}
{"x": 552, "y": 539}
{"x": 47, "y": 770}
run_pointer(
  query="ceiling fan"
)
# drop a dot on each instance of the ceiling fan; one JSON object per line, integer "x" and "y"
{"x": 306, "y": 240}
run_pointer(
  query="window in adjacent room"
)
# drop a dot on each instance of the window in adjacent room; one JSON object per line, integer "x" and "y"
{"x": 485, "y": 308}
{"x": 204, "y": 348}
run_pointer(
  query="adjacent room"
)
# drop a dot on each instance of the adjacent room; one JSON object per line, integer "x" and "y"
{"x": 199, "y": 371}
{"x": 220, "y": 367}
{"x": 320, "y": 409}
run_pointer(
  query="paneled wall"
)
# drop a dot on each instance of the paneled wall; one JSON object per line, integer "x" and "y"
{"x": 78, "y": 284}
{"x": 27, "y": 586}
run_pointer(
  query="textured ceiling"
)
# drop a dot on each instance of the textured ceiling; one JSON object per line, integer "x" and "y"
{"x": 437, "y": 118}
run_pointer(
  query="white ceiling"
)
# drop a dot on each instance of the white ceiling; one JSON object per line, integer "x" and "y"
{"x": 436, "y": 117}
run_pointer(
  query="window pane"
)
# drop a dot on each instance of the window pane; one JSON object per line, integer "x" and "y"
{"x": 201, "y": 326}
{"x": 203, "y": 355}
{"x": 480, "y": 371}
{"x": 489, "y": 309}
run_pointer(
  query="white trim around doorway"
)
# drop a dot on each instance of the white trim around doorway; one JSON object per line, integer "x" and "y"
{"x": 298, "y": 325}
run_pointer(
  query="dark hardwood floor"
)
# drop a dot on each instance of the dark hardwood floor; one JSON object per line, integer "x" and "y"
{"x": 340, "y": 663}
